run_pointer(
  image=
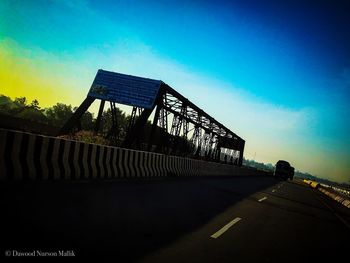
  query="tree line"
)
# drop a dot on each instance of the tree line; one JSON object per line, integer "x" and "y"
{"x": 58, "y": 114}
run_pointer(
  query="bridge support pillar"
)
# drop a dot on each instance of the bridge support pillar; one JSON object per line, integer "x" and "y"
{"x": 240, "y": 160}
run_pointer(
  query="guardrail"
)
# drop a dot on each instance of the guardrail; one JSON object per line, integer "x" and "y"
{"x": 329, "y": 192}
{"x": 26, "y": 156}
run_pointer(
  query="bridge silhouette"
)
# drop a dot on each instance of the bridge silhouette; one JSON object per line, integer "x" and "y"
{"x": 179, "y": 126}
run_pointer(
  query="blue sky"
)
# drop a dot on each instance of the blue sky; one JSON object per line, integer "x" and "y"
{"x": 276, "y": 72}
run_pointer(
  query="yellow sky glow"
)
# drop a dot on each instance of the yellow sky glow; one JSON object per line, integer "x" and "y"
{"x": 21, "y": 75}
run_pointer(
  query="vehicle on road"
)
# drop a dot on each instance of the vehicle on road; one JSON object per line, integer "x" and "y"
{"x": 284, "y": 170}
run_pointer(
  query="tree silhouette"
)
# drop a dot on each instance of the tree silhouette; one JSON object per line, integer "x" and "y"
{"x": 21, "y": 101}
{"x": 35, "y": 104}
{"x": 58, "y": 114}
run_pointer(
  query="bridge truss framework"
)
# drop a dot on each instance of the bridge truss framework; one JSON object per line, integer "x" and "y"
{"x": 179, "y": 127}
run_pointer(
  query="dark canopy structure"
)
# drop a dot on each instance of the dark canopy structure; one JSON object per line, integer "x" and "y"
{"x": 179, "y": 126}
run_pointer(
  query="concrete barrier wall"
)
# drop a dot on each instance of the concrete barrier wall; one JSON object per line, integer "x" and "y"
{"x": 25, "y": 156}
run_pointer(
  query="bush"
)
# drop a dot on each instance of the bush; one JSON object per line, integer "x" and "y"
{"x": 86, "y": 136}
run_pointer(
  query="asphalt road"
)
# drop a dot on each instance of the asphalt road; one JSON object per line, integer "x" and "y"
{"x": 241, "y": 219}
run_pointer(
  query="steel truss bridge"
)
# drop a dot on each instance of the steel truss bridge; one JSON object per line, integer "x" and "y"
{"x": 179, "y": 127}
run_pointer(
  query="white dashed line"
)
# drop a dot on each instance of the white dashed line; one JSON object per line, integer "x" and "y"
{"x": 262, "y": 199}
{"x": 225, "y": 228}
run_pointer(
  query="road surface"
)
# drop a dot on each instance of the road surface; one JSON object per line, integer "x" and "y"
{"x": 240, "y": 219}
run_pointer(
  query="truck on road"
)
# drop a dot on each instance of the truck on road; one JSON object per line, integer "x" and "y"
{"x": 284, "y": 170}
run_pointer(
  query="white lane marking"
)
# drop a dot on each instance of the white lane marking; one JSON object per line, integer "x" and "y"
{"x": 225, "y": 228}
{"x": 262, "y": 199}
